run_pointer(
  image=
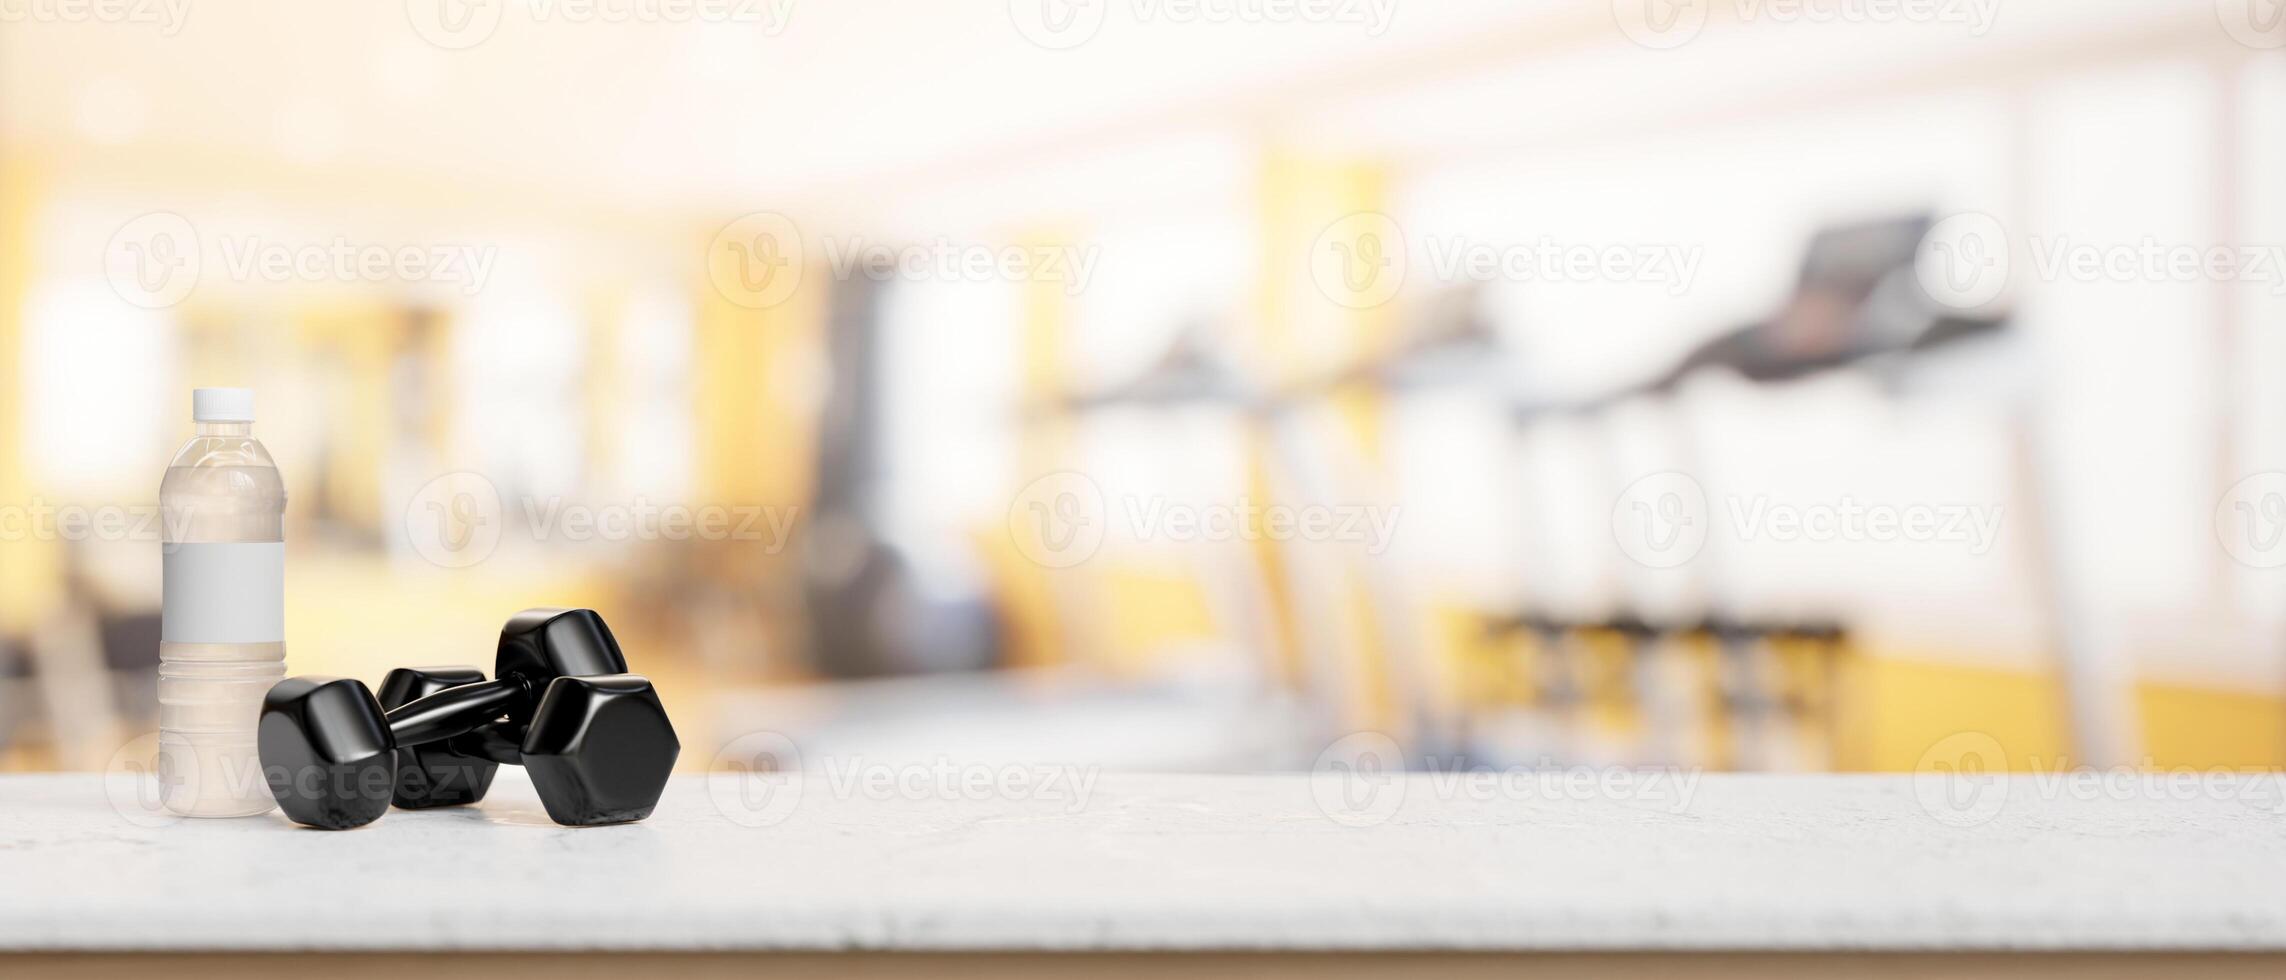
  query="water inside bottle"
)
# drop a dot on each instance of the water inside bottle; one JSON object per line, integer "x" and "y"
{"x": 221, "y": 488}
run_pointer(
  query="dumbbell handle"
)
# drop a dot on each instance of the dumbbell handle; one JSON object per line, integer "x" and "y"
{"x": 455, "y": 711}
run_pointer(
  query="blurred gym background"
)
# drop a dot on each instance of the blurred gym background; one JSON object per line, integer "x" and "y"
{"x": 1159, "y": 385}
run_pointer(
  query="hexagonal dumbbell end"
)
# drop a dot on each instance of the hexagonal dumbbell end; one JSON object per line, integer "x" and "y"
{"x": 326, "y": 752}
{"x": 600, "y": 749}
{"x": 539, "y": 645}
{"x": 447, "y": 773}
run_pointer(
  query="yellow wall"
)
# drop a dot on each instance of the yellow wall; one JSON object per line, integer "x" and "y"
{"x": 2202, "y": 727}
{"x": 1897, "y": 708}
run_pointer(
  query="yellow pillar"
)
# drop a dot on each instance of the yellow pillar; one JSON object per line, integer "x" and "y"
{"x": 1332, "y": 266}
{"x": 1048, "y": 610}
{"x": 1334, "y": 262}
{"x": 29, "y": 568}
{"x": 754, "y": 372}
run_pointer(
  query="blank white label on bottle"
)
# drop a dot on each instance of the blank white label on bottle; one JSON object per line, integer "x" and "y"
{"x": 224, "y": 593}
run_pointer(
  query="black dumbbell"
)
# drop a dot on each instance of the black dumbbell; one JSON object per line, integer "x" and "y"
{"x": 457, "y": 771}
{"x": 595, "y": 739}
{"x": 453, "y": 772}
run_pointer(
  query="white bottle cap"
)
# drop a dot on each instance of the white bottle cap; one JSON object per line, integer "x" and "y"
{"x": 222, "y": 404}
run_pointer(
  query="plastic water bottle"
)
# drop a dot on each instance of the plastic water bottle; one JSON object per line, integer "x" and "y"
{"x": 222, "y": 628}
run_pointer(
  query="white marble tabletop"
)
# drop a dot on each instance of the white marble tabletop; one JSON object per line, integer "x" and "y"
{"x": 954, "y": 859}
